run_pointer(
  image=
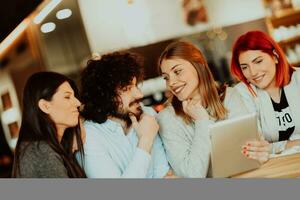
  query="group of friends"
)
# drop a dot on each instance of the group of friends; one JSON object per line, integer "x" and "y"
{"x": 104, "y": 131}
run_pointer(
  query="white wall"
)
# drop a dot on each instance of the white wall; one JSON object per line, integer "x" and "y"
{"x": 115, "y": 24}
{"x": 231, "y": 12}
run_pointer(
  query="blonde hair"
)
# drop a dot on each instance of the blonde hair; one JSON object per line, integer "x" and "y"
{"x": 212, "y": 94}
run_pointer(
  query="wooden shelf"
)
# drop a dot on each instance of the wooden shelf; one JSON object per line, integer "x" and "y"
{"x": 285, "y": 13}
{"x": 286, "y": 17}
{"x": 290, "y": 41}
{"x": 297, "y": 64}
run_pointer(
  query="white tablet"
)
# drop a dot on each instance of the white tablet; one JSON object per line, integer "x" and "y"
{"x": 227, "y": 138}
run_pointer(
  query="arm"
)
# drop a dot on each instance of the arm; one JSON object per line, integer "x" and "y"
{"x": 160, "y": 163}
{"x": 99, "y": 164}
{"x": 189, "y": 157}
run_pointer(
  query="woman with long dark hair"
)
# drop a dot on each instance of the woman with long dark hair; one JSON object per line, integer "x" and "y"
{"x": 50, "y": 131}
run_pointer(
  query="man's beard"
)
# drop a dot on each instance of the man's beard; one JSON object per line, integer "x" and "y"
{"x": 124, "y": 115}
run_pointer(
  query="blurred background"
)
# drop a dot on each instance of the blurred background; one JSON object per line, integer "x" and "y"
{"x": 61, "y": 35}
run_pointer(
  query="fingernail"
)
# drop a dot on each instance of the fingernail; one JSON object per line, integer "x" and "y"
{"x": 247, "y": 155}
{"x": 244, "y": 148}
{"x": 248, "y": 145}
{"x": 244, "y": 152}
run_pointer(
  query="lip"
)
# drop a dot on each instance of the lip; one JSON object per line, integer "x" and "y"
{"x": 258, "y": 78}
{"x": 178, "y": 89}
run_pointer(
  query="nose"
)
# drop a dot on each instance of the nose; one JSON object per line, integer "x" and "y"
{"x": 172, "y": 81}
{"x": 253, "y": 70}
{"x": 77, "y": 103}
{"x": 138, "y": 93}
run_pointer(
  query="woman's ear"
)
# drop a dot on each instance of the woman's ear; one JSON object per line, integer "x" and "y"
{"x": 44, "y": 106}
{"x": 276, "y": 56}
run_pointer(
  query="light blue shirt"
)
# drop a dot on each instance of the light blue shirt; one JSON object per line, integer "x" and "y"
{"x": 109, "y": 153}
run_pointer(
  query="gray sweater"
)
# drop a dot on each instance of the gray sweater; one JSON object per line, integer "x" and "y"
{"x": 40, "y": 161}
{"x": 188, "y": 146}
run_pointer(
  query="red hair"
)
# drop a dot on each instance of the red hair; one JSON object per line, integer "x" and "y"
{"x": 257, "y": 40}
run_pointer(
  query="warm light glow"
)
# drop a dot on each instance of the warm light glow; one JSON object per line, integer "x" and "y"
{"x": 48, "y": 27}
{"x": 45, "y": 11}
{"x": 64, "y": 13}
{"x": 9, "y": 116}
{"x": 13, "y": 35}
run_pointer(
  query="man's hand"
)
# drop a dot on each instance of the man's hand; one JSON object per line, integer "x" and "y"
{"x": 146, "y": 129}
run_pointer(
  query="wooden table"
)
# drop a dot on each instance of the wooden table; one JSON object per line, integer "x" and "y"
{"x": 279, "y": 167}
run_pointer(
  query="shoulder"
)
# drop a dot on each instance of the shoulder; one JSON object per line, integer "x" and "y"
{"x": 95, "y": 132}
{"x": 167, "y": 113}
{"x": 37, "y": 149}
{"x": 241, "y": 88}
{"x": 296, "y": 75}
{"x": 149, "y": 110}
{"x": 40, "y": 160}
{"x": 231, "y": 95}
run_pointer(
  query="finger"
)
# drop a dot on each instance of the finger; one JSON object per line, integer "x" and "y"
{"x": 256, "y": 154}
{"x": 184, "y": 103}
{"x": 257, "y": 143}
{"x": 255, "y": 148}
{"x": 133, "y": 119}
{"x": 261, "y": 157}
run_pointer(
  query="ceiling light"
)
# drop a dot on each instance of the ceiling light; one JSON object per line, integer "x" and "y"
{"x": 64, "y": 13}
{"x": 48, "y": 27}
{"x": 45, "y": 11}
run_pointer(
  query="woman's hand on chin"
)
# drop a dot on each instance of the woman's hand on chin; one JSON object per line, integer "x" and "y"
{"x": 194, "y": 109}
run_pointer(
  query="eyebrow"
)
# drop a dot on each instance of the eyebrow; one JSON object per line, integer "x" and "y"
{"x": 256, "y": 58}
{"x": 171, "y": 68}
{"x": 68, "y": 92}
{"x": 251, "y": 61}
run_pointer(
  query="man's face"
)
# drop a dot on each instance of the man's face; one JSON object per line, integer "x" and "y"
{"x": 130, "y": 98}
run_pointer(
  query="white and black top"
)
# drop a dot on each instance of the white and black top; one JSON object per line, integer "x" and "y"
{"x": 262, "y": 105}
{"x": 286, "y": 124}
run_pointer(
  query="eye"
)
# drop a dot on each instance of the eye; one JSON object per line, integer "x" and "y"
{"x": 67, "y": 97}
{"x": 177, "y": 71}
{"x": 165, "y": 78}
{"x": 244, "y": 67}
{"x": 258, "y": 61}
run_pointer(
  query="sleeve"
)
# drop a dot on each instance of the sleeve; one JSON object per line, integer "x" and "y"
{"x": 99, "y": 164}
{"x": 188, "y": 157}
{"x": 42, "y": 163}
{"x": 249, "y": 102}
{"x": 234, "y": 104}
{"x": 161, "y": 165}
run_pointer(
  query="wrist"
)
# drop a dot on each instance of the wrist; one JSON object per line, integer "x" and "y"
{"x": 278, "y": 147}
{"x": 145, "y": 143}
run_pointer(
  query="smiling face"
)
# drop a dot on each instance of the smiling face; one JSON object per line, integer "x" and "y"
{"x": 259, "y": 68}
{"x": 63, "y": 107}
{"x": 181, "y": 78}
{"x": 129, "y": 101}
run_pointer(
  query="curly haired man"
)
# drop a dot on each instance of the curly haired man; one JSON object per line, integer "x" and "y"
{"x": 121, "y": 135}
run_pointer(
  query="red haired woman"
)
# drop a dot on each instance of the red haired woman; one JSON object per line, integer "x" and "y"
{"x": 269, "y": 86}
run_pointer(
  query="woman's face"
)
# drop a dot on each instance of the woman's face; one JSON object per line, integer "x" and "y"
{"x": 259, "y": 68}
{"x": 63, "y": 107}
{"x": 181, "y": 78}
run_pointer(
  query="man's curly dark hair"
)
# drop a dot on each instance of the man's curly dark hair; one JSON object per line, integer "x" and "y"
{"x": 101, "y": 80}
